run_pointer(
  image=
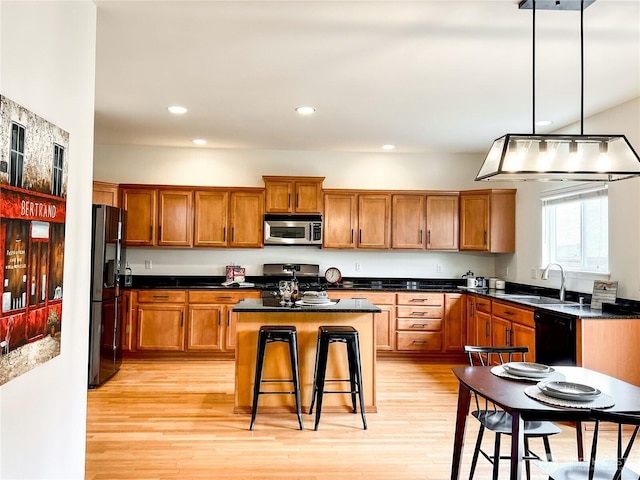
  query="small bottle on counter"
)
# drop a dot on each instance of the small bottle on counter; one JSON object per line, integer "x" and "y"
{"x": 295, "y": 291}
{"x": 128, "y": 276}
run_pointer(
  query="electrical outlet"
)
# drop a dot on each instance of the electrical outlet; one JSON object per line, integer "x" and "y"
{"x": 507, "y": 272}
{"x": 533, "y": 273}
{"x": 357, "y": 267}
{"x": 439, "y": 268}
{"x": 148, "y": 265}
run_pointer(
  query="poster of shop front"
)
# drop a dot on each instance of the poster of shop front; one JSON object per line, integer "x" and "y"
{"x": 33, "y": 190}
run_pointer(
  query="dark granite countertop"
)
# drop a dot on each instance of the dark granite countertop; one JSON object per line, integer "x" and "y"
{"x": 554, "y": 304}
{"x": 273, "y": 305}
{"x": 521, "y": 294}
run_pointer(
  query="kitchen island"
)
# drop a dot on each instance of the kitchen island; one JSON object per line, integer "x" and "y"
{"x": 253, "y": 313}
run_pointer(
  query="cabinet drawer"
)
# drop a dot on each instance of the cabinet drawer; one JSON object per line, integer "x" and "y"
{"x": 419, "y": 324}
{"x": 419, "y": 341}
{"x": 483, "y": 305}
{"x": 161, "y": 296}
{"x": 420, "y": 298}
{"x": 509, "y": 312}
{"x": 377, "y": 298}
{"x": 223, "y": 296}
{"x": 419, "y": 312}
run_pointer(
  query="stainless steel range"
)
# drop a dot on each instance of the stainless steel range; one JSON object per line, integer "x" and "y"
{"x": 308, "y": 276}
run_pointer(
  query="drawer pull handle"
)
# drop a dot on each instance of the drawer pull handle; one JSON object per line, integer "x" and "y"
{"x": 420, "y": 342}
{"x": 419, "y": 325}
{"x": 223, "y": 298}
{"x": 418, "y": 314}
{"x": 507, "y": 312}
{"x": 161, "y": 297}
{"x": 419, "y": 300}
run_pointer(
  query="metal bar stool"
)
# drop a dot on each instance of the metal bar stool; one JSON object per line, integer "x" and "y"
{"x": 277, "y": 333}
{"x": 348, "y": 336}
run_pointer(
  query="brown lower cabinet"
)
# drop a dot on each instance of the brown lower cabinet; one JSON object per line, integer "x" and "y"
{"x": 500, "y": 324}
{"x": 385, "y": 320}
{"x": 193, "y": 321}
{"x": 419, "y": 320}
{"x": 160, "y": 320}
{"x": 182, "y": 320}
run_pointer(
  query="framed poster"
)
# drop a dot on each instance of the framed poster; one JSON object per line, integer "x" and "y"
{"x": 33, "y": 187}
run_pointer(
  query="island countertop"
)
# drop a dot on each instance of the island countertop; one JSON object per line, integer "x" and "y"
{"x": 351, "y": 305}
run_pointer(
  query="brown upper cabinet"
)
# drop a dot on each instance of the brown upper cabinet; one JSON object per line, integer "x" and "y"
{"x": 487, "y": 220}
{"x": 106, "y": 194}
{"x": 158, "y": 217}
{"x": 175, "y": 218}
{"x": 408, "y": 228}
{"x": 442, "y": 222}
{"x": 246, "y": 212}
{"x": 357, "y": 220}
{"x": 184, "y": 218}
{"x": 229, "y": 218}
{"x": 424, "y": 221}
{"x": 211, "y": 218}
{"x": 293, "y": 194}
{"x": 141, "y": 207}
{"x": 340, "y": 220}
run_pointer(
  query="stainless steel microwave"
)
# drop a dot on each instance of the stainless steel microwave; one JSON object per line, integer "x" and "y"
{"x": 293, "y": 230}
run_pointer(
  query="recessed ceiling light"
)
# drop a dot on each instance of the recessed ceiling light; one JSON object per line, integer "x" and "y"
{"x": 305, "y": 110}
{"x": 388, "y": 147}
{"x": 543, "y": 123}
{"x": 199, "y": 141}
{"x": 176, "y": 109}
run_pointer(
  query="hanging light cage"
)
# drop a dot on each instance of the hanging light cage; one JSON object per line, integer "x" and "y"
{"x": 526, "y": 157}
{"x": 531, "y": 157}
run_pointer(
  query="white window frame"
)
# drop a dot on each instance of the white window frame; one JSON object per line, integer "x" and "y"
{"x": 567, "y": 195}
{"x": 57, "y": 170}
{"x": 16, "y": 154}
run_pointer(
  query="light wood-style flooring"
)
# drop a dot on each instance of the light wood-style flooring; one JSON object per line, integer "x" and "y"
{"x": 172, "y": 419}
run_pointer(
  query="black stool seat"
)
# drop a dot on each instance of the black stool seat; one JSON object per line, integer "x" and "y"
{"x": 277, "y": 333}
{"x": 349, "y": 336}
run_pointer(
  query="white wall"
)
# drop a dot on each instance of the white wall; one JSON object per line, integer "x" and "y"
{"x": 48, "y": 63}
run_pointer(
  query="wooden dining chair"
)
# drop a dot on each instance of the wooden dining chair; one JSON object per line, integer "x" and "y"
{"x": 611, "y": 469}
{"x": 499, "y": 421}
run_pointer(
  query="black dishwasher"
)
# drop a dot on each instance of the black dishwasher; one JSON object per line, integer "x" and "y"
{"x": 555, "y": 338}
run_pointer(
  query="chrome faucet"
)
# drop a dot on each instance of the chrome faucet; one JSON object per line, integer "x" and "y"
{"x": 545, "y": 276}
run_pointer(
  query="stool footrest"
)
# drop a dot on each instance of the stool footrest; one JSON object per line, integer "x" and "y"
{"x": 276, "y": 393}
{"x": 340, "y": 391}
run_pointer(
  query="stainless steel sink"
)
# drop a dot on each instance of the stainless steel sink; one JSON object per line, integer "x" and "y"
{"x": 534, "y": 299}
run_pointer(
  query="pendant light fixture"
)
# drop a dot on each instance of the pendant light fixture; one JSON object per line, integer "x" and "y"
{"x": 561, "y": 157}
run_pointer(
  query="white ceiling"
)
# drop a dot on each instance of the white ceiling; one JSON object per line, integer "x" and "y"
{"x": 430, "y": 75}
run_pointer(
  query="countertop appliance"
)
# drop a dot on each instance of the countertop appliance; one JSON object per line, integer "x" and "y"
{"x": 308, "y": 276}
{"x": 293, "y": 230}
{"x": 107, "y": 301}
{"x": 555, "y": 338}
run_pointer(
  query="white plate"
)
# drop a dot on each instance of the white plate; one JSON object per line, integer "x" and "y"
{"x": 528, "y": 369}
{"x": 569, "y": 391}
{"x": 314, "y": 294}
{"x": 315, "y": 300}
{"x": 314, "y": 304}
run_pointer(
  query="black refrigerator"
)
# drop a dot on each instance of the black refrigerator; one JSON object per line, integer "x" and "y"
{"x": 107, "y": 301}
